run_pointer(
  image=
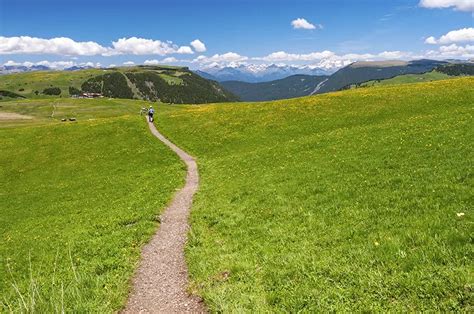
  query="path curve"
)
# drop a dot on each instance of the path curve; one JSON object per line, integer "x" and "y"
{"x": 161, "y": 280}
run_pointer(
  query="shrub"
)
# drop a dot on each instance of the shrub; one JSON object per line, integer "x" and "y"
{"x": 6, "y": 93}
{"x": 52, "y": 91}
{"x": 74, "y": 91}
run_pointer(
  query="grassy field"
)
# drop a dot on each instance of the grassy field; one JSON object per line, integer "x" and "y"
{"x": 358, "y": 200}
{"x": 408, "y": 78}
{"x": 52, "y": 110}
{"x": 78, "y": 200}
{"x": 26, "y": 84}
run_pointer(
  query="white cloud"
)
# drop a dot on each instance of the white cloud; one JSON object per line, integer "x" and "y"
{"x": 151, "y": 62}
{"x": 164, "y": 61}
{"x": 57, "y": 46}
{"x": 142, "y": 46}
{"x": 129, "y": 63}
{"x": 185, "y": 50}
{"x": 431, "y": 40}
{"x": 455, "y": 50}
{"x": 68, "y": 47}
{"x": 226, "y": 57}
{"x": 456, "y": 36}
{"x": 461, "y": 5}
{"x": 284, "y": 56}
{"x": 452, "y": 51}
{"x": 170, "y": 60}
{"x": 394, "y": 55}
{"x": 301, "y": 23}
{"x": 280, "y": 56}
{"x": 198, "y": 45}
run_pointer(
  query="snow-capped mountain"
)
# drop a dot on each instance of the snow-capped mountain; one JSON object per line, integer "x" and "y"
{"x": 8, "y": 69}
{"x": 253, "y": 73}
{"x": 20, "y": 68}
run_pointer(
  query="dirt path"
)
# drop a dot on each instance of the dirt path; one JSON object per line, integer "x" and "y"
{"x": 160, "y": 283}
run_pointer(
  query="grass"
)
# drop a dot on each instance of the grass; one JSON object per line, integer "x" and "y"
{"x": 79, "y": 199}
{"x": 172, "y": 80}
{"x": 52, "y": 110}
{"x": 350, "y": 201}
{"x": 409, "y": 78}
{"x": 39, "y": 80}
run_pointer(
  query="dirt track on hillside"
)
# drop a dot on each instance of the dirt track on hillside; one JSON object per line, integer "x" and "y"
{"x": 161, "y": 281}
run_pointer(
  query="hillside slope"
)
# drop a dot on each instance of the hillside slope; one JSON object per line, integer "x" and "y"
{"x": 405, "y": 79}
{"x": 154, "y": 83}
{"x": 78, "y": 201}
{"x": 351, "y": 201}
{"x": 360, "y": 72}
{"x": 290, "y": 87}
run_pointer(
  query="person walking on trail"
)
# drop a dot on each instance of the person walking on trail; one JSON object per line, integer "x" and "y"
{"x": 151, "y": 112}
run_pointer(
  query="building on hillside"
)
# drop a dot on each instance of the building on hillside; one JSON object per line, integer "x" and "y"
{"x": 91, "y": 95}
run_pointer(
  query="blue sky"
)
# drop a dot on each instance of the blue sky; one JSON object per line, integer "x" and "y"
{"x": 333, "y": 31}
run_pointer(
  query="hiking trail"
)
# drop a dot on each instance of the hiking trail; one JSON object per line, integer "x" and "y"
{"x": 161, "y": 280}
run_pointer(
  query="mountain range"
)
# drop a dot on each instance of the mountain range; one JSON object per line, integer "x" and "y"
{"x": 255, "y": 73}
{"x": 290, "y": 87}
{"x": 349, "y": 76}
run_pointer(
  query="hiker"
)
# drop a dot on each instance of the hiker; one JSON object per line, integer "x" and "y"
{"x": 151, "y": 111}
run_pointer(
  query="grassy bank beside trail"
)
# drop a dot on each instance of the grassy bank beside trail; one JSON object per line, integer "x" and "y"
{"x": 356, "y": 200}
{"x": 78, "y": 200}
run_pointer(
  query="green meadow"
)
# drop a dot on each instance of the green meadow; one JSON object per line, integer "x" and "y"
{"x": 26, "y": 84}
{"x": 351, "y": 201}
{"x": 79, "y": 199}
{"x": 408, "y": 78}
{"x": 358, "y": 200}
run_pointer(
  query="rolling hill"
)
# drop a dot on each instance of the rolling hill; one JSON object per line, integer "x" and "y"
{"x": 358, "y": 74}
{"x": 290, "y": 87}
{"x": 405, "y": 79}
{"x": 154, "y": 83}
{"x": 350, "y": 201}
{"x": 78, "y": 201}
{"x": 364, "y": 71}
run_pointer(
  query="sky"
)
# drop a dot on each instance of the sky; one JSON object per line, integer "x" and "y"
{"x": 200, "y": 34}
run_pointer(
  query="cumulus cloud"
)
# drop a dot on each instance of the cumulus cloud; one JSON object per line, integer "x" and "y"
{"x": 280, "y": 56}
{"x": 394, "y": 55}
{"x": 185, "y": 50}
{"x": 170, "y": 60}
{"x": 226, "y": 57}
{"x": 431, "y": 40}
{"x": 151, "y": 62}
{"x": 57, "y": 46}
{"x": 198, "y": 45}
{"x": 455, "y": 50}
{"x": 142, "y": 46}
{"x": 284, "y": 56}
{"x": 164, "y": 61}
{"x": 456, "y": 36}
{"x": 68, "y": 47}
{"x": 129, "y": 63}
{"x": 461, "y": 5}
{"x": 301, "y": 23}
{"x": 451, "y": 51}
